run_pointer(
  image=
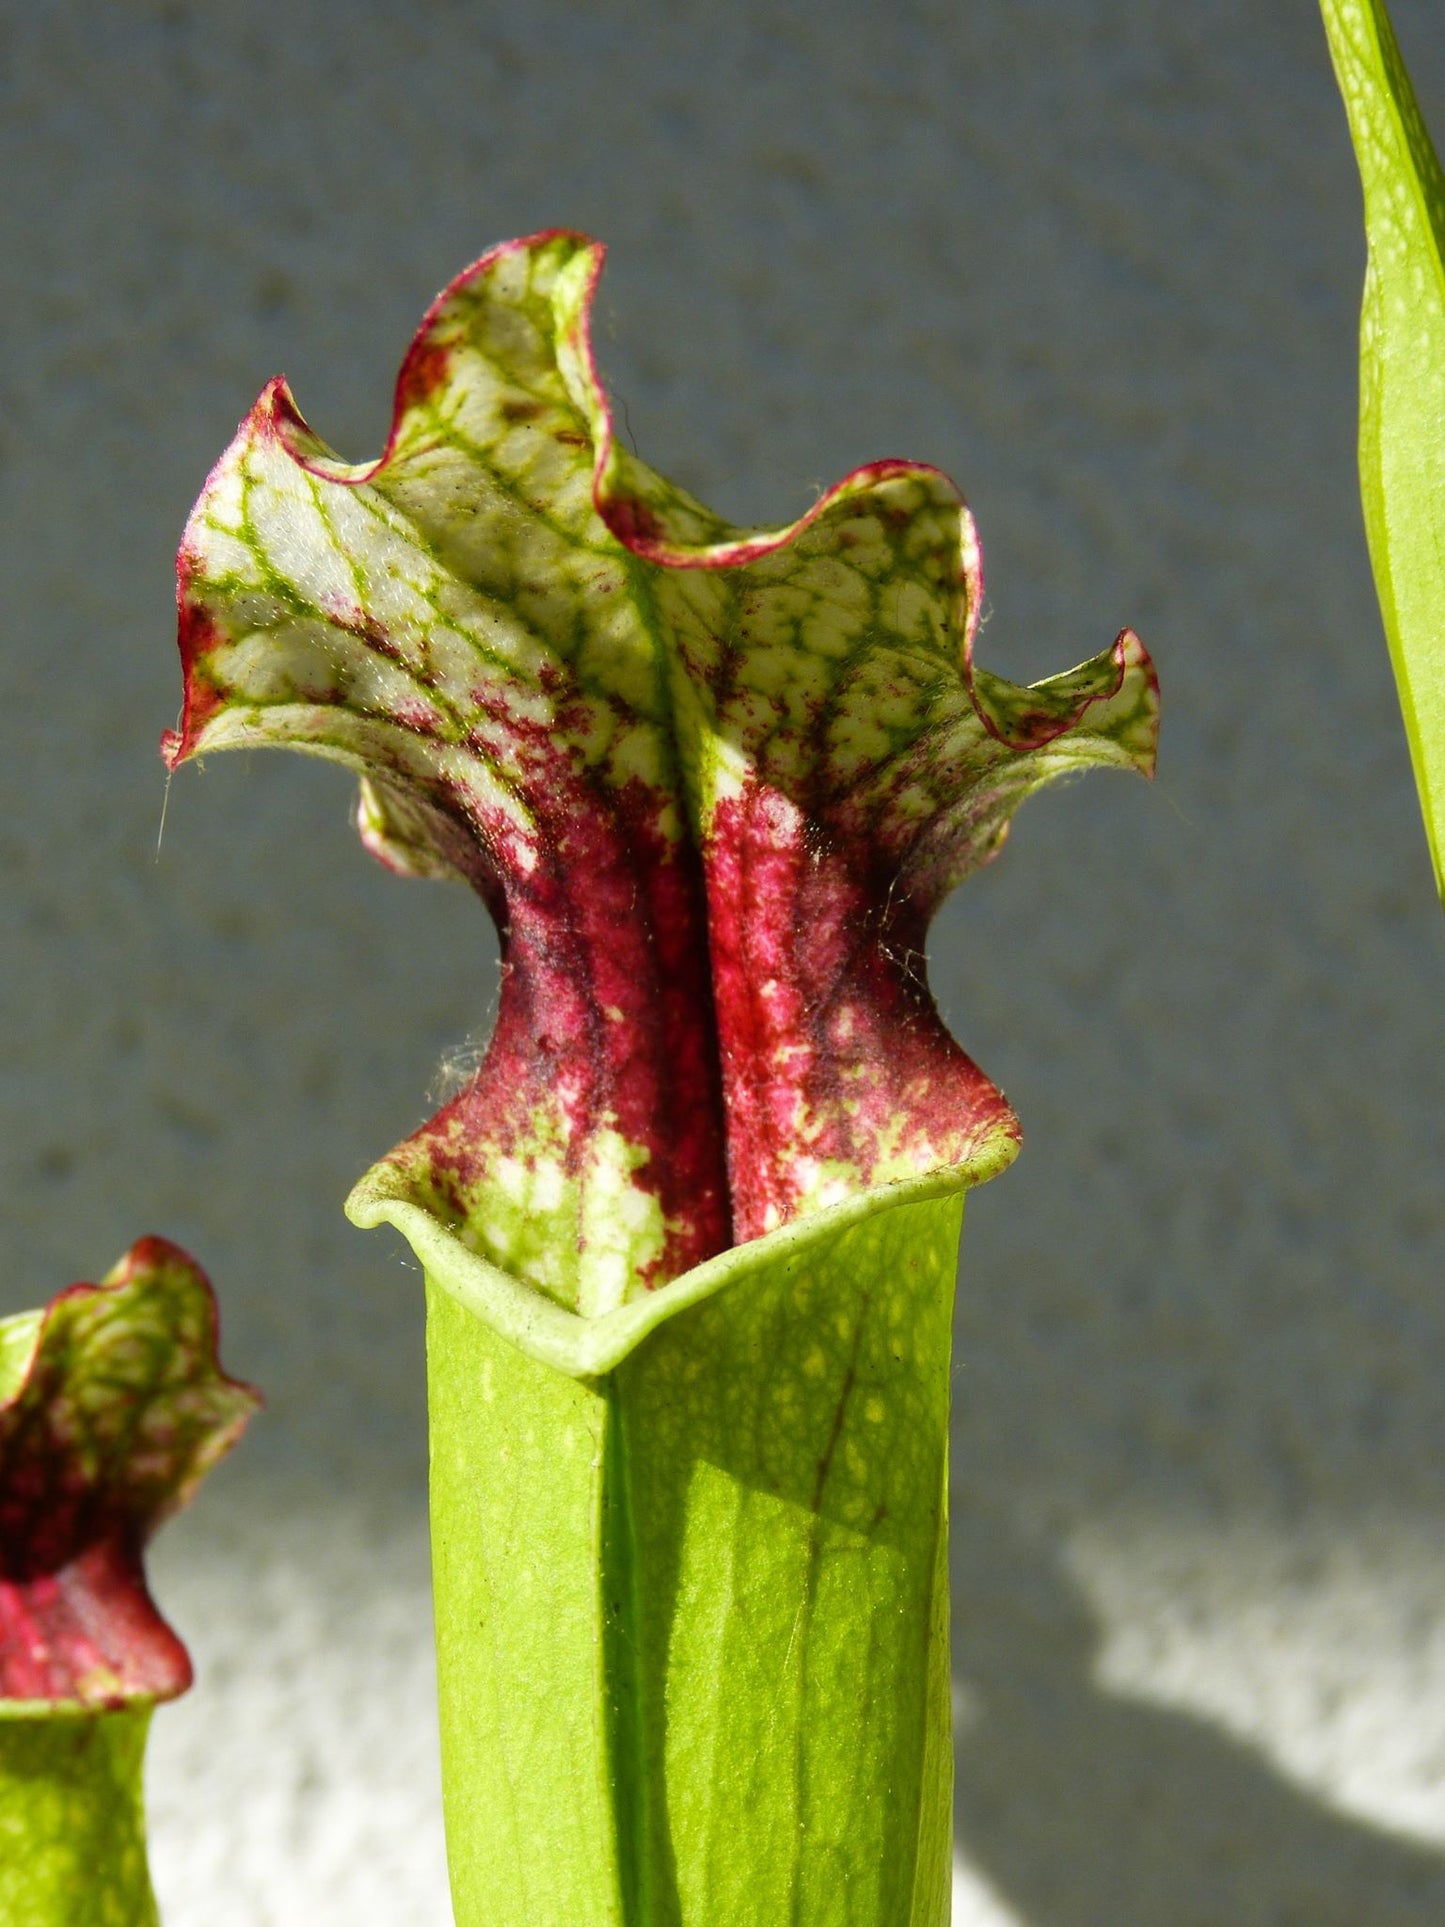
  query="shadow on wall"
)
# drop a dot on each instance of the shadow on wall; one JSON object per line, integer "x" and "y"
{"x": 1085, "y": 1809}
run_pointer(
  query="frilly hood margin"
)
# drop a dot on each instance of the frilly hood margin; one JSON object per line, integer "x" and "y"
{"x": 711, "y": 782}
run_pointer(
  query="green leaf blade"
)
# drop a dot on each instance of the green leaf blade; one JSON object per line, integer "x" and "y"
{"x": 1402, "y": 379}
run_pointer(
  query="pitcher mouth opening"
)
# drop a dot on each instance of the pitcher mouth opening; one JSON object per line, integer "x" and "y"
{"x": 581, "y": 1347}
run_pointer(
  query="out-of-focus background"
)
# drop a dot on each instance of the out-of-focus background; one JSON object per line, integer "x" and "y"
{"x": 1100, "y": 260}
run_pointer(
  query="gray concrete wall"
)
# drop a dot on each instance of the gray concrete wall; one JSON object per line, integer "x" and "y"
{"x": 1098, "y": 258}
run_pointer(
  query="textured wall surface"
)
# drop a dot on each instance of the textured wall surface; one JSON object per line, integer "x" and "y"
{"x": 1098, "y": 258}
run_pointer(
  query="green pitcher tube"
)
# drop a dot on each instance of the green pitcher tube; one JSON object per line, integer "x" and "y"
{"x": 692, "y": 1612}
{"x": 72, "y": 1820}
